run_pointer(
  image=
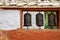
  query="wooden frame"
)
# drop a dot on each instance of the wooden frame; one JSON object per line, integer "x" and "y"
{"x": 36, "y": 9}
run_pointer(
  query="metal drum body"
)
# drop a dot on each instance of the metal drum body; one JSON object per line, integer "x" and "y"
{"x": 51, "y": 19}
{"x": 39, "y": 19}
{"x": 27, "y": 19}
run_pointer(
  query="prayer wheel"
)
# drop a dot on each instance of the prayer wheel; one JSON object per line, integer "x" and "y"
{"x": 39, "y": 19}
{"x": 27, "y": 19}
{"x": 51, "y": 19}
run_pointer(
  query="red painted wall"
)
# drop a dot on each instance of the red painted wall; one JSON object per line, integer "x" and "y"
{"x": 34, "y": 34}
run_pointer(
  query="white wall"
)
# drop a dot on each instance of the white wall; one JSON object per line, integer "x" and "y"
{"x": 9, "y": 19}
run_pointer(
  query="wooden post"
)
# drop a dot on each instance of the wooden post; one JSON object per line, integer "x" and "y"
{"x": 58, "y": 20}
{"x": 21, "y": 19}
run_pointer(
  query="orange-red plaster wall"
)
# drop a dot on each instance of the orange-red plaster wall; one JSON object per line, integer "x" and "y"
{"x": 33, "y": 34}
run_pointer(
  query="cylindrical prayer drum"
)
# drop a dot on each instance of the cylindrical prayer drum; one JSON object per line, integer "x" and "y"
{"x": 39, "y": 19}
{"x": 27, "y": 19}
{"x": 51, "y": 19}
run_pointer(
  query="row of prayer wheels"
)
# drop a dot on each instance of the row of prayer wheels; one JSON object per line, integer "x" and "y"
{"x": 39, "y": 19}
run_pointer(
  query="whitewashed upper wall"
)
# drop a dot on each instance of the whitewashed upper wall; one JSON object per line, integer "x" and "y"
{"x": 9, "y": 19}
